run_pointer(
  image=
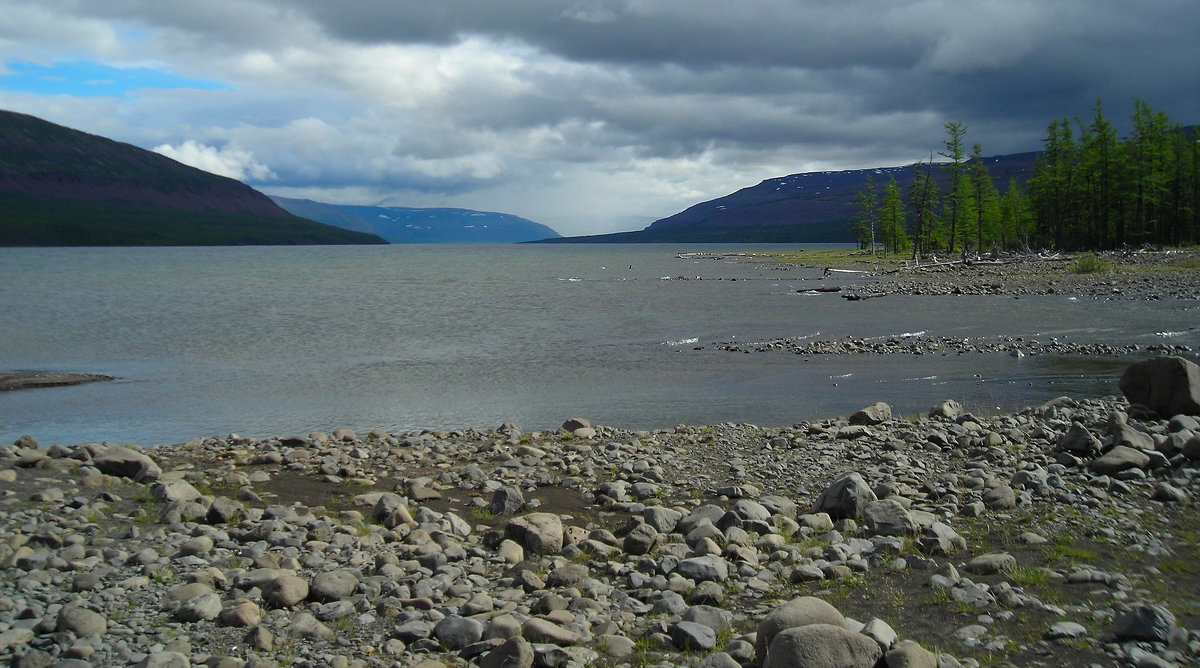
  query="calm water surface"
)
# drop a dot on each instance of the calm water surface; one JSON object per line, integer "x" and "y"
{"x": 278, "y": 341}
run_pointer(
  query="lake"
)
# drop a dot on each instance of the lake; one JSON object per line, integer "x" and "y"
{"x": 275, "y": 341}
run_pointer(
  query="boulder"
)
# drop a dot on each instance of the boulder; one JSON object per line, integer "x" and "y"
{"x": 716, "y": 619}
{"x": 201, "y": 608}
{"x": 876, "y": 413}
{"x": 174, "y": 491}
{"x": 1123, "y": 433}
{"x": 939, "y": 538}
{"x": 305, "y": 626}
{"x": 708, "y": 568}
{"x": 572, "y": 424}
{"x": 1000, "y": 497}
{"x": 1191, "y": 448}
{"x": 991, "y": 564}
{"x": 1143, "y": 621}
{"x": 1168, "y": 386}
{"x": 537, "y": 630}
{"x": 391, "y": 511}
{"x": 889, "y": 518}
{"x": 224, "y": 510}
{"x": 662, "y": 519}
{"x": 121, "y": 461}
{"x": 909, "y": 654}
{"x": 801, "y": 611}
{"x": 81, "y": 621}
{"x": 456, "y": 632}
{"x": 333, "y": 585}
{"x": 506, "y": 501}
{"x": 881, "y": 632}
{"x": 540, "y": 533}
{"x": 821, "y": 646}
{"x": 241, "y": 613}
{"x": 846, "y": 497}
{"x": 1079, "y": 441}
{"x": 285, "y": 591}
{"x": 949, "y": 410}
{"x": 641, "y": 540}
{"x": 1120, "y": 458}
{"x": 516, "y": 652}
{"x": 690, "y": 636}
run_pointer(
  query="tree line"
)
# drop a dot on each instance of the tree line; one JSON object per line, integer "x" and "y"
{"x": 1089, "y": 189}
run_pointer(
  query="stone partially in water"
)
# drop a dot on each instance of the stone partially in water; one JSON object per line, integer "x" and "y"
{"x": 1168, "y": 386}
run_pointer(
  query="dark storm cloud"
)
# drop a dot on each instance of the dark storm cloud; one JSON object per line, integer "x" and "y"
{"x": 614, "y": 107}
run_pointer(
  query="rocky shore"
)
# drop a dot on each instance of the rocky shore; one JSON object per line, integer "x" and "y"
{"x": 922, "y": 344}
{"x": 1061, "y": 535}
{"x": 1140, "y": 275}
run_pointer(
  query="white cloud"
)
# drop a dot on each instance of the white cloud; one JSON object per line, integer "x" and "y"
{"x": 230, "y": 161}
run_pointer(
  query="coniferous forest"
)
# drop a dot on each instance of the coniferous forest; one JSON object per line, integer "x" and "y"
{"x": 1091, "y": 189}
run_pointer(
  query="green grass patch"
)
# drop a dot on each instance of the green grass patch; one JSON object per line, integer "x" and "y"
{"x": 1058, "y": 552}
{"x": 1089, "y": 263}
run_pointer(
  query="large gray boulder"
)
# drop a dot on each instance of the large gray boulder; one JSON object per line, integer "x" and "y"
{"x": 801, "y": 611}
{"x": 333, "y": 585}
{"x": 516, "y": 652}
{"x": 889, "y": 518}
{"x": 121, "y": 461}
{"x": 507, "y": 501}
{"x": 1120, "y": 458}
{"x": 708, "y": 568}
{"x": 391, "y": 511}
{"x": 877, "y": 413}
{"x": 1079, "y": 441}
{"x": 908, "y": 654}
{"x": 641, "y": 540}
{"x": 846, "y": 497}
{"x": 285, "y": 591}
{"x": 541, "y": 533}
{"x": 1143, "y": 621}
{"x": 822, "y": 646}
{"x": 81, "y": 621}
{"x": 456, "y": 632}
{"x": 1168, "y": 386}
{"x": 948, "y": 409}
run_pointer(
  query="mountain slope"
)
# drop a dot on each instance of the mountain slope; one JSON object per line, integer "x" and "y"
{"x": 402, "y": 225}
{"x": 63, "y": 187}
{"x": 800, "y": 208}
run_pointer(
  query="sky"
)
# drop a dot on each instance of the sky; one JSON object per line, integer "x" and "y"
{"x": 590, "y": 116}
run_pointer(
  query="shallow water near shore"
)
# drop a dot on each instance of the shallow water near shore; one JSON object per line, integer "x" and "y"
{"x": 276, "y": 341}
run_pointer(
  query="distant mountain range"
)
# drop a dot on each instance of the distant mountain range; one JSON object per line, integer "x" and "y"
{"x": 813, "y": 207}
{"x": 403, "y": 225}
{"x": 63, "y": 187}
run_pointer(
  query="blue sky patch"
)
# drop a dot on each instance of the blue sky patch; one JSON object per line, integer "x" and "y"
{"x": 81, "y": 78}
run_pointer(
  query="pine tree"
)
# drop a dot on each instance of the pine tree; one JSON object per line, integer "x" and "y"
{"x": 923, "y": 195}
{"x": 1052, "y": 185}
{"x": 1101, "y": 168}
{"x": 868, "y": 214}
{"x": 1015, "y": 217}
{"x": 957, "y": 199}
{"x": 985, "y": 200}
{"x": 1103, "y": 192}
{"x": 892, "y": 220}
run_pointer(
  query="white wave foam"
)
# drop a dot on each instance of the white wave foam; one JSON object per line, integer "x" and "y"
{"x": 1167, "y": 335}
{"x": 682, "y": 342}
